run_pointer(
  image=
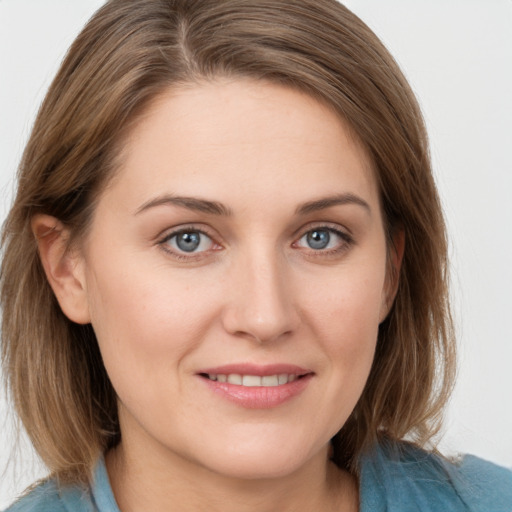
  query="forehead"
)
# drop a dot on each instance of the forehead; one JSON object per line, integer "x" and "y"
{"x": 241, "y": 138}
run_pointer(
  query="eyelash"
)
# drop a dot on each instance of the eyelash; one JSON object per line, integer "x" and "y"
{"x": 346, "y": 239}
{"x": 347, "y": 242}
{"x": 183, "y": 256}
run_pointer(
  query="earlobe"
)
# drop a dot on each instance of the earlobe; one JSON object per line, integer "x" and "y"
{"x": 63, "y": 267}
{"x": 394, "y": 264}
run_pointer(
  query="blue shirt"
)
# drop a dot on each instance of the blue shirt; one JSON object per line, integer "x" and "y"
{"x": 393, "y": 478}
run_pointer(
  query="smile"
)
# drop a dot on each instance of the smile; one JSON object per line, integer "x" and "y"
{"x": 257, "y": 387}
{"x": 254, "y": 380}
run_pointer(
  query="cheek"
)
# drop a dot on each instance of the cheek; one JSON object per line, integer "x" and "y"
{"x": 344, "y": 314}
{"x": 145, "y": 320}
{"x": 341, "y": 313}
{"x": 348, "y": 303}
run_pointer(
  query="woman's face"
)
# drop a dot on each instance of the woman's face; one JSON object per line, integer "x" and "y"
{"x": 235, "y": 276}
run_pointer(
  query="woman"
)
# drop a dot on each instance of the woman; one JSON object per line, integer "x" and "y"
{"x": 224, "y": 281}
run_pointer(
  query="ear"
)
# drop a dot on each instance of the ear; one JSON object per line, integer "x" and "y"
{"x": 64, "y": 267}
{"x": 394, "y": 263}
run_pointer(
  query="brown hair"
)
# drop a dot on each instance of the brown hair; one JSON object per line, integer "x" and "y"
{"x": 127, "y": 54}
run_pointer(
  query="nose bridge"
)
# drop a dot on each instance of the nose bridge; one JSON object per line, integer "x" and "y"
{"x": 261, "y": 304}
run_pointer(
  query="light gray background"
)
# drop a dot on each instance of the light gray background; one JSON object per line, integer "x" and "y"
{"x": 458, "y": 56}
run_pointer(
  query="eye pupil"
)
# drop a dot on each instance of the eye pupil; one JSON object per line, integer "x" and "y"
{"x": 318, "y": 239}
{"x": 188, "y": 241}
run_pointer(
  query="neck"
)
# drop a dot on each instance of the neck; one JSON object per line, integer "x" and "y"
{"x": 142, "y": 480}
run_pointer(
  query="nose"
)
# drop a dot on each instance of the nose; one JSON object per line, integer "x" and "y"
{"x": 260, "y": 304}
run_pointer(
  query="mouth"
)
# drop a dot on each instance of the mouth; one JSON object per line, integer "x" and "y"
{"x": 257, "y": 387}
{"x": 251, "y": 381}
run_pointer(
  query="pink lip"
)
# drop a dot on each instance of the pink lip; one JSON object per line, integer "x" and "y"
{"x": 258, "y": 397}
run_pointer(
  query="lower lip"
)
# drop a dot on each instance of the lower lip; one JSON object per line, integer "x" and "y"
{"x": 259, "y": 397}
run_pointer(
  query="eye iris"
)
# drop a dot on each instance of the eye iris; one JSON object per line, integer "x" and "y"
{"x": 188, "y": 241}
{"x": 318, "y": 239}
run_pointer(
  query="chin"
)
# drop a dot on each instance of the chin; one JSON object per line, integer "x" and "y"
{"x": 258, "y": 467}
{"x": 260, "y": 459}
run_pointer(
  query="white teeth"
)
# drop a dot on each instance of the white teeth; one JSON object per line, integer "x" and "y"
{"x": 254, "y": 380}
{"x": 270, "y": 380}
{"x": 234, "y": 378}
{"x": 251, "y": 380}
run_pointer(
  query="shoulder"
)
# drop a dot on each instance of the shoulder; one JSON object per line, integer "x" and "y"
{"x": 399, "y": 477}
{"x": 48, "y": 497}
{"x": 484, "y": 483}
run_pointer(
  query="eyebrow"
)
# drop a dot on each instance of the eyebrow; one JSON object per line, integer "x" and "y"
{"x": 190, "y": 203}
{"x": 216, "y": 208}
{"x": 328, "y": 202}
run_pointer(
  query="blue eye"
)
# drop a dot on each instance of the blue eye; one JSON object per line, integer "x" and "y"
{"x": 322, "y": 239}
{"x": 189, "y": 241}
{"x": 318, "y": 239}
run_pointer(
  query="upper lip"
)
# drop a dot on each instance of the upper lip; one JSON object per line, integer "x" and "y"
{"x": 255, "y": 369}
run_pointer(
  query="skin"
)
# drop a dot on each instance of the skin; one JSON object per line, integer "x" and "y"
{"x": 254, "y": 291}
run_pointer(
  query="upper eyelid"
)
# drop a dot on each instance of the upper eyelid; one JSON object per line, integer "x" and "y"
{"x": 328, "y": 226}
{"x": 169, "y": 233}
{"x": 347, "y": 238}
